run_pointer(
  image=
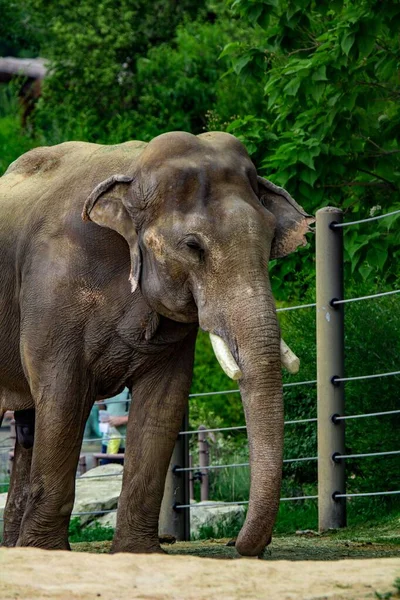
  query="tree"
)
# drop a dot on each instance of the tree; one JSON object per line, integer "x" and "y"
{"x": 94, "y": 48}
{"x": 330, "y": 73}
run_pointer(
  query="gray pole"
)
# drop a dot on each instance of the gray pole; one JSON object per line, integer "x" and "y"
{"x": 191, "y": 478}
{"x": 330, "y": 363}
{"x": 172, "y": 521}
{"x": 203, "y": 462}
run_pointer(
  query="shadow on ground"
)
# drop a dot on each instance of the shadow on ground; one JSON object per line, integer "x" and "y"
{"x": 377, "y": 542}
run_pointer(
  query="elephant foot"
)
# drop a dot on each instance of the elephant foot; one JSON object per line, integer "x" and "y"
{"x": 44, "y": 542}
{"x": 10, "y": 535}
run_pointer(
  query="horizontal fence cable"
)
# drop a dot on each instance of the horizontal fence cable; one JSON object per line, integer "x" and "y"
{"x": 194, "y": 431}
{"x": 334, "y": 302}
{"x": 366, "y": 494}
{"x": 201, "y": 394}
{"x": 84, "y": 477}
{"x": 238, "y": 502}
{"x": 285, "y": 385}
{"x": 111, "y": 401}
{"x": 88, "y": 512}
{"x": 337, "y": 225}
{"x": 234, "y": 465}
{"x": 242, "y": 427}
{"x": 363, "y": 416}
{"x": 366, "y": 454}
{"x": 94, "y": 512}
{"x": 191, "y": 506}
{"x": 360, "y": 377}
{"x": 285, "y": 308}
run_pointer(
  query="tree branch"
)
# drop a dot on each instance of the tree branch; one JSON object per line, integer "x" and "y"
{"x": 358, "y": 184}
{"x": 378, "y": 177}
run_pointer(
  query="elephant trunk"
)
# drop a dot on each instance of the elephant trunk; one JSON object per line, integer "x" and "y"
{"x": 253, "y": 337}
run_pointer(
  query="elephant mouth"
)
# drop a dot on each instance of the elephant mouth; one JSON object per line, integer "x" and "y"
{"x": 230, "y": 367}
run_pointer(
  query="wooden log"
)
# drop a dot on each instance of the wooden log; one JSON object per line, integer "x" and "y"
{"x": 33, "y": 68}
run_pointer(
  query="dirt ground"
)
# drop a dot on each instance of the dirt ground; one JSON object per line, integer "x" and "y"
{"x": 29, "y": 573}
{"x": 306, "y": 567}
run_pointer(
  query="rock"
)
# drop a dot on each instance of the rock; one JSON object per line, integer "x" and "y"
{"x": 98, "y": 490}
{"x": 3, "y": 500}
{"x": 108, "y": 520}
{"x": 307, "y": 532}
{"x": 217, "y": 514}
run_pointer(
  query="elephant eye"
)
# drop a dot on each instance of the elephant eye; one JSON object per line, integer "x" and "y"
{"x": 194, "y": 245}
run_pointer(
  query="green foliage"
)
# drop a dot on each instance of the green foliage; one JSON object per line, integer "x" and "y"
{"x": 94, "y": 533}
{"x": 136, "y": 77}
{"x": 13, "y": 140}
{"x": 20, "y": 34}
{"x": 330, "y": 77}
{"x": 224, "y": 528}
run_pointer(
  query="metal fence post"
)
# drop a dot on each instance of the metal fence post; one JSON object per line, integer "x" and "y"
{"x": 330, "y": 364}
{"x": 191, "y": 479}
{"x": 203, "y": 462}
{"x": 174, "y": 521}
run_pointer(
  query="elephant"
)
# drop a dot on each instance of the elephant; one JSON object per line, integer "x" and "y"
{"x": 111, "y": 259}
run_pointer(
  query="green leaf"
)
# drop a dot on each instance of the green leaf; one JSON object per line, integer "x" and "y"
{"x": 377, "y": 257}
{"x": 306, "y": 158}
{"x": 317, "y": 91}
{"x": 365, "y": 44}
{"x": 365, "y": 271}
{"x": 309, "y": 176}
{"x": 229, "y": 49}
{"x": 292, "y": 87}
{"x": 320, "y": 74}
{"x": 241, "y": 62}
{"x": 347, "y": 42}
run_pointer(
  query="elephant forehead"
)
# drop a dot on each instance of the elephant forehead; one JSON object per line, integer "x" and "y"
{"x": 181, "y": 144}
{"x": 186, "y": 182}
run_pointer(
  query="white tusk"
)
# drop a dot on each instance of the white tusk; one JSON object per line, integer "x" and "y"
{"x": 224, "y": 357}
{"x": 228, "y": 364}
{"x": 289, "y": 360}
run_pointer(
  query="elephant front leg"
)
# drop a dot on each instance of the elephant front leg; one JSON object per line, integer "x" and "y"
{"x": 158, "y": 404}
{"x": 61, "y": 413}
{"x": 19, "y": 484}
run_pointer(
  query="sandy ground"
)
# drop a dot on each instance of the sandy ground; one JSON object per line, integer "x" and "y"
{"x": 29, "y": 573}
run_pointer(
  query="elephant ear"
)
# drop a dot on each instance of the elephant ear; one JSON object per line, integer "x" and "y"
{"x": 106, "y": 206}
{"x": 292, "y": 222}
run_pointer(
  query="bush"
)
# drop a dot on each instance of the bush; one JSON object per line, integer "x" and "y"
{"x": 93, "y": 533}
{"x": 14, "y": 141}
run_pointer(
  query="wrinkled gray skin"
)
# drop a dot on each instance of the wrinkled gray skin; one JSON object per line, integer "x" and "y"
{"x": 175, "y": 233}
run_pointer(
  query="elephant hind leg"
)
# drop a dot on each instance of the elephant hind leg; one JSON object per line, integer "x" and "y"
{"x": 62, "y": 407}
{"x": 20, "y": 476}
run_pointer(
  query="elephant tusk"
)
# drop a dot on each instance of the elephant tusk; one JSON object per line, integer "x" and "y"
{"x": 224, "y": 357}
{"x": 289, "y": 360}
{"x": 228, "y": 364}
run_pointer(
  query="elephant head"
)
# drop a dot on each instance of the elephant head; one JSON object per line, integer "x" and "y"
{"x": 201, "y": 227}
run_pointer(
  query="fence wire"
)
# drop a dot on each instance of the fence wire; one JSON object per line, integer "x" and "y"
{"x": 363, "y": 416}
{"x": 366, "y": 494}
{"x": 360, "y": 377}
{"x": 370, "y": 297}
{"x": 285, "y": 308}
{"x": 366, "y": 454}
{"x": 369, "y": 219}
{"x": 234, "y": 465}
